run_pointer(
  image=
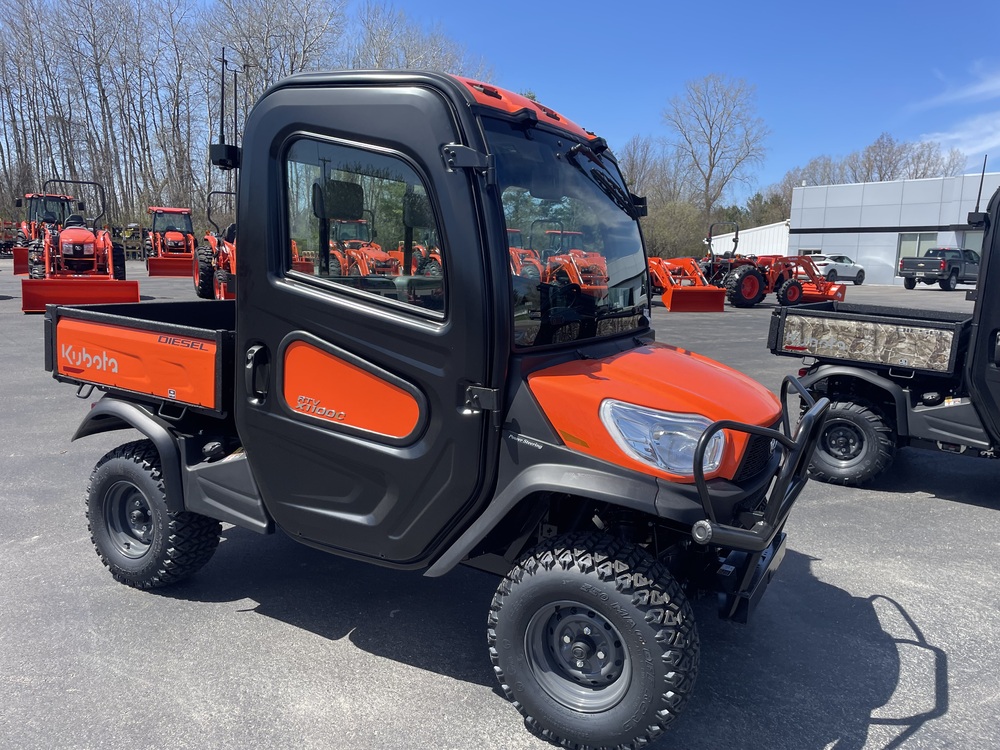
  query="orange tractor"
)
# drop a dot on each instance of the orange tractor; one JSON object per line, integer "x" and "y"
{"x": 566, "y": 262}
{"x": 793, "y": 278}
{"x": 170, "y": 242}
{"x": 36, "y": 206}
{"x": 213, "y": 266}
{"x": 353, "y": 245}
{"x": 523, "y": 260}
{"x": 70, "y": 263}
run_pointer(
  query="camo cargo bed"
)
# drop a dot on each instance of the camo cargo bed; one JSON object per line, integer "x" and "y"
{"x": 925, "y": 340}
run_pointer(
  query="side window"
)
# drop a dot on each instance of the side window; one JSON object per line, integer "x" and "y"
{"x": 971, "y": 256}
{"x": 362, "y": 221}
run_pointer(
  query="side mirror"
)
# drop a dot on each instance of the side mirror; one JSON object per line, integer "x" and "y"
{"x": 319, "y": 203}
{"x": 417, "y": 211}
{"x": 81, "y": 207}
{"x": 337, "y": 199}
{"x": 18, "y": 203}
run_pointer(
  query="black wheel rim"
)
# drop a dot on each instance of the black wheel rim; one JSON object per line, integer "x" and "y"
{"x": 128, "y": 519}
{"x": 843, "y": 441}
{"x": 577, "y": 657}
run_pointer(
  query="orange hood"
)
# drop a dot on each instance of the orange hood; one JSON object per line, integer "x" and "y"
{"x": 658, "y": 377}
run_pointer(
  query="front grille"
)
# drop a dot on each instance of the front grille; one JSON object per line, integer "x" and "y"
{"x": 755, "y": 457}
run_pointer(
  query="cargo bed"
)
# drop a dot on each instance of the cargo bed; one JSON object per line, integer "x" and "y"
{"x": 890, "y": 337}
{"x": 179, "y": 352}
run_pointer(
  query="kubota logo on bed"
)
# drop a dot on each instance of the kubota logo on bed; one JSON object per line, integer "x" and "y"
{"x": 83, "y": 358}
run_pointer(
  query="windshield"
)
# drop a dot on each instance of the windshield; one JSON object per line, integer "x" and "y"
{"x": 38, "y": 207}
{"x": 164, "y": 221}
{"x": 580, "y": 269}
{"x": 352, "y": 230}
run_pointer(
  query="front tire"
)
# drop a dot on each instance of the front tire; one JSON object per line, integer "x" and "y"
{"x": 745, "y": 286}
{"x": 594, "y": 642}
{"x": 790, "y": 292}
{"x": 202, "y": 273}
{"x": 856, "y": 445}
{"x": 859, "y": 279}
{"x": 138, "y": 539}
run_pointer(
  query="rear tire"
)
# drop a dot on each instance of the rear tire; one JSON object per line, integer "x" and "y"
{"x": 856, "y": 445}
{"x": 745, "y": 286}
{"x": 909, "y": 283}
{"x": 138, "y": 539}
{"x": 594, "y": 642}
{"x": 118, "y": 261}
{"x": 832, "y": 276}
{"x": 36, "y": 260}
{"x": 951, "y": 283}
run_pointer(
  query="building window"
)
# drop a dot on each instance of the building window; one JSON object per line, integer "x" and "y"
{"x": 912, "y": 244}
{"x": 973, "y": 239}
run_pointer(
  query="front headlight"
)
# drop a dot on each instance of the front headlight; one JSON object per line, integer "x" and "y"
{"x": 663, "y": 439}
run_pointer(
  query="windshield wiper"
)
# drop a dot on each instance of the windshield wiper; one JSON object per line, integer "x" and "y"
{"x": 603, "y": 179}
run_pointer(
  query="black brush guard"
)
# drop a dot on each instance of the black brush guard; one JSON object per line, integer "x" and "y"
{"x": 754, "y": 554}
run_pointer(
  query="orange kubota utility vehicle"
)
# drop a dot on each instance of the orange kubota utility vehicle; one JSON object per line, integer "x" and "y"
{"x": 484, "y": 418}
{"x": 75, "y": 264}
{"x": 170, "y": 242}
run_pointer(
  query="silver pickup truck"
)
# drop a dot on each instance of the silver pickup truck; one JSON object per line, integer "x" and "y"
{"x": 945, "y": 266}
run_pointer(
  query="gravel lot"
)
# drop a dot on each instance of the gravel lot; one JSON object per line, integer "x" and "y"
{"x": 879, "y": 631}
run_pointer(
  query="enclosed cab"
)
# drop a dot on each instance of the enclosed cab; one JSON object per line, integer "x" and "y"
{"x": 524, "y": 426}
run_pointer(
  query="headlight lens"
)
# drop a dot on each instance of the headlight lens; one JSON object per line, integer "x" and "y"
{"x": 663, "y": 439}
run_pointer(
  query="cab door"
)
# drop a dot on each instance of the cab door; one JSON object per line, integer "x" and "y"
{"x": 983, "y": 362}
{"x": 351, "y": 405}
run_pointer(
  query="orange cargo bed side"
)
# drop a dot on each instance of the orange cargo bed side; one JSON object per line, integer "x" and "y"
{"x": 174, "y": 363}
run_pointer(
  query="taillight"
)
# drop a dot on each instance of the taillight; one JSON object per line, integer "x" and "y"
{"x": 900, "y": 264}
{"x": 942, "y": 264}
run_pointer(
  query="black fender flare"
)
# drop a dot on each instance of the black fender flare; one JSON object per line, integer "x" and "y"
{"x": 586, "y": 482}
{"x": 825, "y": 372}
{"x": 110, "y": 414}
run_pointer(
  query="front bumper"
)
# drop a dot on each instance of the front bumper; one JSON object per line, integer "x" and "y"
{"x": 788, "y": 483}
{"x": 750, "y": 556}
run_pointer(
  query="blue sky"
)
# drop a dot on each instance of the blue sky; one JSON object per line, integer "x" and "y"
{"x": 830, "y": 77}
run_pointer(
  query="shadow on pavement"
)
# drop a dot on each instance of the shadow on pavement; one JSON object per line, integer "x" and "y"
{"x": 811, "y": 671}
{"x": 962, "y": 479}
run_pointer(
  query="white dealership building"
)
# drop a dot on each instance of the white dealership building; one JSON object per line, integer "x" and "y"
{"x": 875, "y": 223}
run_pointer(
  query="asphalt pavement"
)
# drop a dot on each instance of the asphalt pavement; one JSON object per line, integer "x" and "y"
{"x": 880, "y": 629}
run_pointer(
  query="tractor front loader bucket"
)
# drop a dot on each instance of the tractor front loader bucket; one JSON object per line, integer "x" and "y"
{"x": 20, "y": 261}
{"x": 687, "y": 290}
{"x": 37, "y": 293}
{"x": 694, "y": 298}
{"x": 170, "y": 266}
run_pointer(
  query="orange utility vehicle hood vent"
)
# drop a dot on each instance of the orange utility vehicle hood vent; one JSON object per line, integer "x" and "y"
{"x": 660, "y": 377}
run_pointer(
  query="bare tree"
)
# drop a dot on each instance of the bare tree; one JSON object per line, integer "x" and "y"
{"x": 384, "y": 37}
{"x": 718, "y": 134}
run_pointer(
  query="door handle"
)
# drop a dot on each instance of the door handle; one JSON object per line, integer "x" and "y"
{"x": 257, "y": 372}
